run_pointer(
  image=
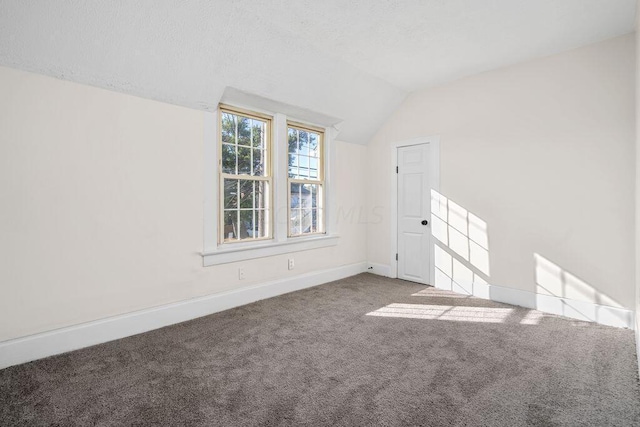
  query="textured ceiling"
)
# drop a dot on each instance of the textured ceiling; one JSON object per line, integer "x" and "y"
{"x": 414, "y": 44}
{"x": 350, "y": 59}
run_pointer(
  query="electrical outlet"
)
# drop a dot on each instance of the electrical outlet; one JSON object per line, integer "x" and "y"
{"x": 241, "y": 273}
{"x": 291, "y": 264}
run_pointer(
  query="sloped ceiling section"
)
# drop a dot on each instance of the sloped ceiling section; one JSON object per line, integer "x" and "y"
{"x": 186, "y": 53}
{"x": 415, "y": 44}
{"x": 352, "y": 60}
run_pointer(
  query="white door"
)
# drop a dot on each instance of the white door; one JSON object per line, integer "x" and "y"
{"x": 414, "y": 213}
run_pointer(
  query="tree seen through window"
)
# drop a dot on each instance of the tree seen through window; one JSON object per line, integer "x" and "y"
{"x": 246, "y": 181}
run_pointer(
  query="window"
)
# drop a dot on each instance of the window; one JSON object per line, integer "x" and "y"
{"x": 305, "y": 183}
{"x": 267, "y": 181}
{"x": 245, "y": 176}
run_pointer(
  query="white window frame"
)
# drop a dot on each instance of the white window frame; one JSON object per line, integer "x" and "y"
{"x": 267, "y": 178}
{"x": 320, "y": 180}
{"x": 214, "y": 251}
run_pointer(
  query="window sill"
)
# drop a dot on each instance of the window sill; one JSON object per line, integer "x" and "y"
{"x": 224, "y": 255}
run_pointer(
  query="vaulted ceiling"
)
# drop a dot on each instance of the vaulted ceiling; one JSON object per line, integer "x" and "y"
{"x": 355, "y": 60}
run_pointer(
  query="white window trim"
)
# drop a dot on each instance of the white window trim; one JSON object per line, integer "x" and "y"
{"x": 319, "y": 181}
{"x": 215, "y": 253}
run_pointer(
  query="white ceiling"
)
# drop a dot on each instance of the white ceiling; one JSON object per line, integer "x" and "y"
{"x": 419, "y": 43}
{"x": 351, "y": 59}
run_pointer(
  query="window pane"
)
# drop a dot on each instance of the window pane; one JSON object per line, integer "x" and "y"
{"x": 303, "y": 161}
{"x": 230, "y": 193}
{"x": 305, "y": 221}
{"x": 259, "y": 163}
{"x": 304, "y": 154}
{"x": 306, "y": 199}
{"x": 303, "y": 170}
{"x": 246, "y": 194}
{"x": 250, "y": 220}
{"x": 313, "y": 168}
{"x": 245, "y": 205}
{"x": 303, "y": 146}
{"x": 295, "y": 195}
{"x": 315, "y": 190}
{"x": 306, "y": 195}
{"x": 314, "y": 195}
{"x": 244, "y": 131}
{"x": 228, "y": 128}
{"x": 244, "y": 160}
{"x": 241, "y": 159}
{"x": 246, "y": 224}
{"x": 314, "y": 221}
{"x": 295, "y": 222}
{"x": 314, "y": 140}
{"x": 259, "y": 128}
{"x": 262, "y": 195}
{"x": 230, "y": 225}
{"x": 261, "y": 223}
{"x": 306, "y": 212}
{"x": 293, "y": 140}
{"x": 228, "y": 158}
{"x": 305, "y": 204}
{"x": 293, "y": 166}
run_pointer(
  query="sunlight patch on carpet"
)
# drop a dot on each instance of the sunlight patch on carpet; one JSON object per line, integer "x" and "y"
{"x": 444, "y": 312}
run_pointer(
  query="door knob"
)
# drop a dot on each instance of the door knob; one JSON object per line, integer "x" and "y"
{"x": 424, "y": 222}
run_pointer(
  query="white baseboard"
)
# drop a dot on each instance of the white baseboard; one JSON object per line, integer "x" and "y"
{"x": 379, "y": 269}
{"x": 26, "y": 349}
{"x": 591, "y": 312}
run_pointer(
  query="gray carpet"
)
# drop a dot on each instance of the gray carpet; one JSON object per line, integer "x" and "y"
{"x": 315, "y": 357}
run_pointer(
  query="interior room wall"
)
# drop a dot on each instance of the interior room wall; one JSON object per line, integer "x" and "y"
{"x": 101, "y": 207}
{"x": 543, "y": 153}
{"x": 637, "y": 194}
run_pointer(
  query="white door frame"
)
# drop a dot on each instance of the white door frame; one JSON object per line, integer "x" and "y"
{"x": 434, "y": 181}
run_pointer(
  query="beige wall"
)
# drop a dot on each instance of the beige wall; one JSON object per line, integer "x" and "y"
{"x": 544, "y": 153}
{"x": 101, "y": 207}
{"x": 637, "y": 193}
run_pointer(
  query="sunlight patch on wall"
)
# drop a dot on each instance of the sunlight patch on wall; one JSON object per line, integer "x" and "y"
{"x": 453, "y": 274}
{"x": 478, "y": 231}
{"x": 461, "y": 231}
{"x": 458, "y": 217}
{"x": 559, "y": 291}
{"x": 552, "y": 279}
